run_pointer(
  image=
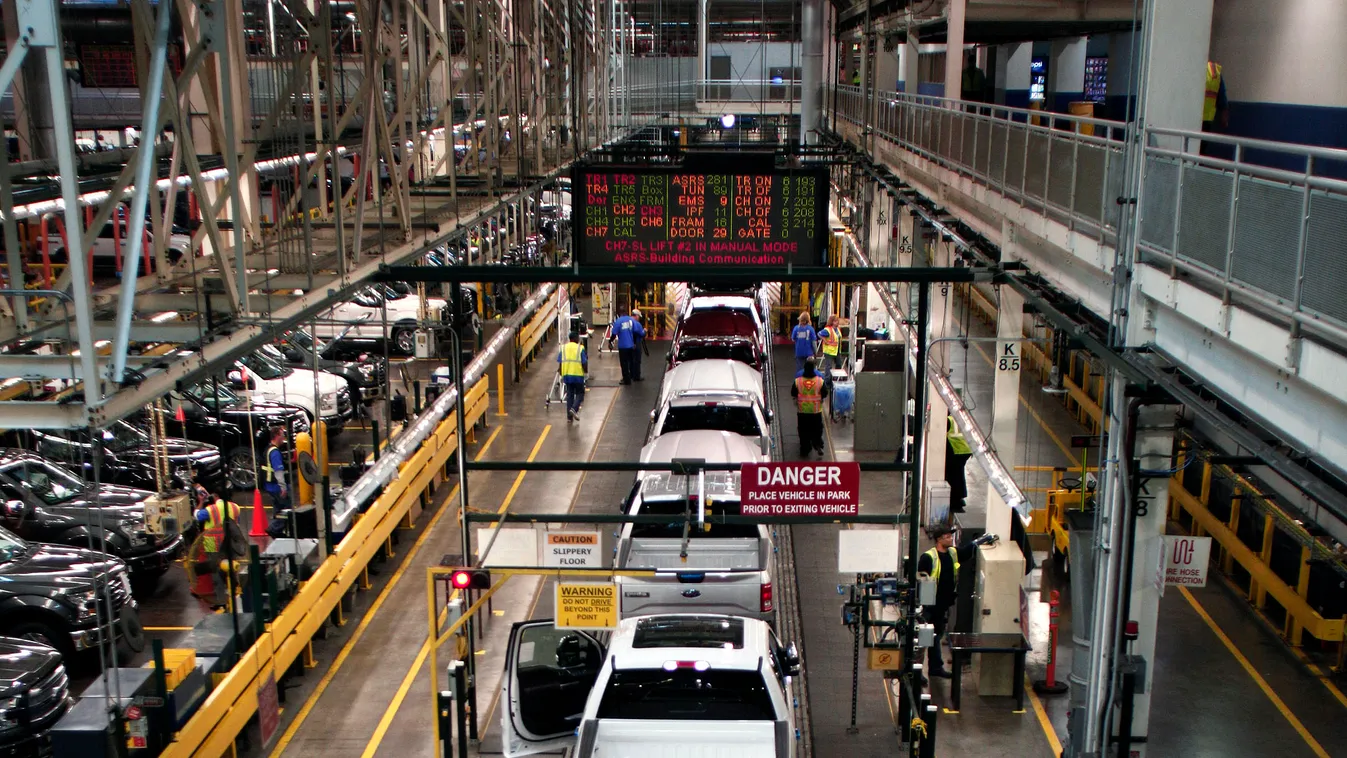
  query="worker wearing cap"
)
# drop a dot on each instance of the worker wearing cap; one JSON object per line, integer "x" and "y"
{"x": 809, "y": 390}
{"x": 941, "y": 565}
{"x": 627, "y": 330}
{"x": 573, "y": 364}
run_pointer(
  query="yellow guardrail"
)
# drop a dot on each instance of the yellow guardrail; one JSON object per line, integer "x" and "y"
{"x": 1300, "y": 615}
{"x": 533, "y": 332}
{"x": 212, "y": 731}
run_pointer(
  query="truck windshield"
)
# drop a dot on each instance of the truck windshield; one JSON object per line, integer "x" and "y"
{"x": 686, "y": 694}
{"x": 264, "y": 368}
{"x": 674, "y": 529}
{"x": 734, "y": 351}
{"x": 11, "y": 546}
{"x": 51, "y": 484}
{"x": 736, "y": 419}
{"x": 718, "y": 323}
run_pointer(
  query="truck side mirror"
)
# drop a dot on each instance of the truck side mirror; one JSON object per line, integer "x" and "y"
{"x": 791, "y": 660}
{"x": 15, "y": 508}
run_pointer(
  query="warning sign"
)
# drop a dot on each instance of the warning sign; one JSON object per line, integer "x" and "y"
{"x": 1186, "y": 560}
{"x": 800, "y": 489}
{"x": 571, "y": 550}
{"x": 885, "y": 660}
{"x": 586, "y": 606}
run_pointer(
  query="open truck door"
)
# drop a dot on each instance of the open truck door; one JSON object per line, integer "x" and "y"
{"x": 549, "y": 673}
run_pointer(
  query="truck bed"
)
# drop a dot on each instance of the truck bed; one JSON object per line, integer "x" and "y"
{"x": 682, "y": 739}
{"x": 703, "y": 554}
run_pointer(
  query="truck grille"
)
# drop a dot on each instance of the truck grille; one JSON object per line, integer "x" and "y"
{"x": 46, "y": 701}
{"x": 344, "y": 401}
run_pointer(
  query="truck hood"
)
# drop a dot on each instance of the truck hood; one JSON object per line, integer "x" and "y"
{"x": 68, "y": 567}
{"x": 179, "y": 451}
{"x": 300, "y": 383}
{"x": 23, "y": 664}
{"x": 684, "y": 739}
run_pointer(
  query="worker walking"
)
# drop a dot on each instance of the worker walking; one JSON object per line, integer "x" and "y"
{"x": 573, "y": 364}
{"x": 221, "y": 539}
{"x": 1216, "y": 113}
{"x": 830, "y": 339}
{"x": 941, "y": 565}
{"x": 804, "y": 337}
{"x": 809, "y": 390}
{"x": 274, "y": 470}
{"x": 627, "y": 330}
{"x": 957, "y": 453}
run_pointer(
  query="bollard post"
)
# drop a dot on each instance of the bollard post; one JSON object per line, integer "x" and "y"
{"x": 374, "y": 434}
{"x": 461, "y": 701}
{"x": 500, "y": 390}
{"x": 1050, "y": 685}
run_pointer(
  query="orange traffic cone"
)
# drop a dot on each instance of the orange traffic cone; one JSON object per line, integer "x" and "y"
{"x": 259, "y": 516}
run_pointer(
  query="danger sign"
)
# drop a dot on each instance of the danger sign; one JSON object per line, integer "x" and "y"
{"x": 586, "y": 606}
{"x": 1185, "y": 560}
{"x": 571, "y": 550}
{"x": 800, "y": 489}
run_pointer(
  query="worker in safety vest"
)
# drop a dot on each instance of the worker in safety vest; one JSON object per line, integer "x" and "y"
{"x": 573, "y": 364}
{"x": 273, "y": 471}
{"x": 809, "y": 390}
{"x": 957, "y": 453}
{"x": 212, "y": 548}
{"x": 830, "y": 340}
{"x": 941, "y": 565}
{"x": 1215, "y": 113}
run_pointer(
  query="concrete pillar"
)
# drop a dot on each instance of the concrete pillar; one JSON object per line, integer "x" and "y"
{"x": 811, "y": 75}
{"x": 1006, "y": 399}
{"x": 911, "y": 58}
{"x": 1018, "y": 58}
{"x": 1179, "y": 37}
{"x": 887, "y": 70}
{"x": 954, "y": 48}
{"x": 1066, "y": 73}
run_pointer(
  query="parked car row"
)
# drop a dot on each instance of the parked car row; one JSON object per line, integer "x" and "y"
{"x": 695, "y": 666}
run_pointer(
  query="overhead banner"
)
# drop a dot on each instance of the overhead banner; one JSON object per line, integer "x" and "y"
{"x": 800, "y": 489}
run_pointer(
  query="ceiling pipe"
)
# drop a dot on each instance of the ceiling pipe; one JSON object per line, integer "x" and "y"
{"x": 406, "y": 444}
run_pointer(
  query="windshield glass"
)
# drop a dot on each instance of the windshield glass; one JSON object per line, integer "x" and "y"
{"x": 11, "y": 546}
{"x": 718, "y": 323}
{"x": 51, "y": 484}
{"x": 263, "y": 367}
{"x": 734, "y": 351}
{"x": 686, "y": 694}
{"x": 675, "y": 508}
{"x": 736, "y": 419}
{"x": 122, "y": 436}
{"x": 303, "y": 340}
{"x": 369, "y": 297}
{"x": 207, "y": 394}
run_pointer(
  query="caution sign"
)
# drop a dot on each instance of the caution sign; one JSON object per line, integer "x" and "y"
{"x": 881, "y": 659}
{"x": 571, "y": 550}
{"x": 586, "y": 606}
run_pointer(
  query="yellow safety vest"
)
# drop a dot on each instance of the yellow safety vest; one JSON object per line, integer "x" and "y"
{"x": 809, "y": 397}
{"x": 266, "y": 465}
{"x": 213, "y": 535}
{"x": 956, "y": 441}
{"x": 935, "y": 564}
{"x": 570, "y": 359}
{"x": 830, "y": 340}
{"x": 1213, "y": 89}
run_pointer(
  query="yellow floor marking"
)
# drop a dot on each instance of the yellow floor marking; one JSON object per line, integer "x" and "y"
{"x": 168, "y": 628}
{"x": 359, "y": 632}
{"x": 395, "y": 704}
{"x": 1042, "y": 715}
{"x": 1257, "y": 677}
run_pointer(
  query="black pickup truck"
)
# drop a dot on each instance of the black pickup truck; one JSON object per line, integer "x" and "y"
{"x": 42, "y": 502}
{"x": 128, "y": 456}
{"x": 34, "y": 695}
{"x": 66, "y": 598}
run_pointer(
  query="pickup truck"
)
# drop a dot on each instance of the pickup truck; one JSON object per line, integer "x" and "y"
{"x": 713, "y": 568}
{"x": 257, "y": 377}
{"x": 693, "y": 686}
{"x": 34, "y": 695}
{"x": 718, "y": 394}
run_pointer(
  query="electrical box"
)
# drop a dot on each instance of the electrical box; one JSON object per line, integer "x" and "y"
{"x": 996, "y": 610}
{"x": 167, "y": 514}
{"x": 422, "y": 348}
{"x": 880, "y": 410}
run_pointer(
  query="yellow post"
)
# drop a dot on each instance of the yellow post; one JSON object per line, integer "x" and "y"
{"x": 500, "y": 390}
{"x": 1257, "y": 592}
{"x": 304, "y": 490}
{"x": 1303, "y": 590}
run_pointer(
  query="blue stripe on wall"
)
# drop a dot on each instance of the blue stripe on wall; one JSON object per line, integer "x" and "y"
{"x": 935, "y": 89}
{"x": 1017, "y": 98}
{"x": 1285, "y": 122}
{"x": 1061, "y": 101}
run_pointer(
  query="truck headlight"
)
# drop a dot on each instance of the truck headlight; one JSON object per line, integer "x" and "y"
{"x": 134, "y": 530}
{"x": 301, "y": 423}
{"x": 86, "y": 604}
{"x": 8, "y": 710}
{"x": 367, "y": 371}
{"x": 329, "y": 403}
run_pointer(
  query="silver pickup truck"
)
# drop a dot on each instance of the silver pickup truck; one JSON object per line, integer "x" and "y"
{"x": 703, "y": 566}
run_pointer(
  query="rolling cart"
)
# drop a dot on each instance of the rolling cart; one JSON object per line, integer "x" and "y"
{"x": 842, "y": 399}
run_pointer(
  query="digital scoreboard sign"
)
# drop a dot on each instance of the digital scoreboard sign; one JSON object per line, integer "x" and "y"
{"x": 658, "y": 216}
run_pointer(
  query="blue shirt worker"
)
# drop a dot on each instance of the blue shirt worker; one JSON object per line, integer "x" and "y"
{"x": 573, "y": 364}
{"x": 804, "y": 337}
{"x": 273, "y": 470}
{"x": 628, "y": 331}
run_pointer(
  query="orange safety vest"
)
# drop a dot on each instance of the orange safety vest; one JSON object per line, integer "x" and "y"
{"x": 1213, "y": 90}
{"x": 830, "y": 340}
{"x": 809, "y": 394}
{"x": 213, "y": 535}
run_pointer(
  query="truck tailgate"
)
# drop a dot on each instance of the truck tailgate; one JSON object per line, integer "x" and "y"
{"x": 684, "y": 739}
{"x": 723, "y": 554}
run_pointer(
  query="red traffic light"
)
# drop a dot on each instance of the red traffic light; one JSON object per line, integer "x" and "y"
{"x": 470, "y": 579}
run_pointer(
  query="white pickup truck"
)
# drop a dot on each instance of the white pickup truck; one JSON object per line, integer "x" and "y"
{"x": 713, "y": 394}
{"x": 361, "y": 319}
{"x": 258, "y": 377}
{"x": 692, "y": 686}
{"x": 707, "y": 566}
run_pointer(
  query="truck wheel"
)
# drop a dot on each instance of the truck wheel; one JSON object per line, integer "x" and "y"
{"x": 404, "y": 339}
{"x": 40, "y": 631}
{"x": 133, "y": 633}
{"x": 242, "y": 475}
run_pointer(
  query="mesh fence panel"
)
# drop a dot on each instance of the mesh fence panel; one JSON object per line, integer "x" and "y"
{"x": 1267, "y": 236}
{"x": 1204, "y": 219}
{"x": 1160, "y": 188}
{"x": 1326, "y": 256}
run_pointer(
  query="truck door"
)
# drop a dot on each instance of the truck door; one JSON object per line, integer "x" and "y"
{"x": 548, "y": 675}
